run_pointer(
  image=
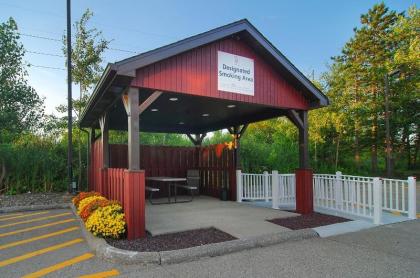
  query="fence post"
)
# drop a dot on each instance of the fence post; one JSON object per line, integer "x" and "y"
{"x": 265, "y": 175}
{"x": 239, "y": 186}
{"x": 377, "y": 201}
{"x": 338, "y": 184}
{"x": 412, "y": 210}
{"x": 275, "y": 189}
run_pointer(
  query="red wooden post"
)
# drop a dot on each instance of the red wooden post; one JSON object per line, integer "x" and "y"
{"x": 104, "y": 182}
{"x": 304, "y": 191}
{"x": 134, "y": 201}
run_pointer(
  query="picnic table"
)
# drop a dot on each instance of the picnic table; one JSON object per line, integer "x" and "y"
{"x": 169, "y": 181}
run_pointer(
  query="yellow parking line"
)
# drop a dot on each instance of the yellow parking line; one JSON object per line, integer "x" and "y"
{"x": 59, "y": 266}
{"x": 39, "y": 252}
{"x": 9, "y": 215}
{"x": 20, "y": 242}
{"x": 104, "y": 274}
{"x": 37, "y": 227}
{"x": 35, "y": 219}
{"x": 25, "y": 215}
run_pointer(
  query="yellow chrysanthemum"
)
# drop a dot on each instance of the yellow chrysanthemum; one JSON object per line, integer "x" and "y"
{"x": 107, "y": 221}
{"x": 86, "y": 201}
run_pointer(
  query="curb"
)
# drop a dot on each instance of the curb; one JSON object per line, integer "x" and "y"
{"x": 34, "y": 207}
{"x": 116, "y": 255}
{"x": 227, "y": 247}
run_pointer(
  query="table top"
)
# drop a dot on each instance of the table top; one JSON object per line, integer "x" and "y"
{"x": 165, "y": 179}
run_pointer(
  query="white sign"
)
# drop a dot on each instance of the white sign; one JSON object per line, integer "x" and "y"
{"x": 235, "y": 73}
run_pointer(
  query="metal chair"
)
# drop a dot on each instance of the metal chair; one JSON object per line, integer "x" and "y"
{"x": 192, "y": 184}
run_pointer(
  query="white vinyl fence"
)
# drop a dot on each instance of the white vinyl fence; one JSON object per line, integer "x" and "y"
{"x": 361, "y": 196}
{"x": 259, "y": 187}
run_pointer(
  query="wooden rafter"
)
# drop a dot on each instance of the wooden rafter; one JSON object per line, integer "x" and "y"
{"x": 149, "y": 101}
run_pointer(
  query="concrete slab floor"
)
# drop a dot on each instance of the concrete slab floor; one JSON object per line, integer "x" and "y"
{"x": 350, "y": 255}
{"x": 237, "y": 219}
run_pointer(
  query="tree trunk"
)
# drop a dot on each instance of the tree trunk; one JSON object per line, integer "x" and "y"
{"x": 407, "y": 147}
{"x": 79, "y": 142}
{"x": 374, "y": 138}
{"x": 356, "y": 146}
{"x": 2, "y": 174}
{"x": 337, "y": 152}
{"x": 416, "y": 150}
{"x": 357, "y": 129}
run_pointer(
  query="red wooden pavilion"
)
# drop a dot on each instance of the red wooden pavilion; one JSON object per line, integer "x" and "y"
{"x": 225, "y": 78}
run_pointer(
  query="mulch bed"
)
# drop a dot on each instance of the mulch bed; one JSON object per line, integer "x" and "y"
{"x": 172, "y": 241}
{"x": 30, "y": 199}
{"x": 308, "y": 221}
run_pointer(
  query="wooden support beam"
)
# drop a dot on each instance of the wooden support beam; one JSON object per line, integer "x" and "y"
{"x": 197, "y": 139}
{"x": 304, "y": 141}
{"x": 124, "y": 98}
{"x": 132, "y": 101}
{"x": 243, "y": 129}
{"x": 192, "y": 139}
{"x": 300, "y": 120}
{"x": 295, "y": 118}
{"x": 104, "y": 124}
{"x": 92, "y": 136}
{"x": 89, "y": 161}
{"x": 149, "y": 101}
{"x": 238, "y": 131}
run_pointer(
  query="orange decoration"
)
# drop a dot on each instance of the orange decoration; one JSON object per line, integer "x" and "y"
{"x": 229, "y": 145}
{"x": 219, "y": 149}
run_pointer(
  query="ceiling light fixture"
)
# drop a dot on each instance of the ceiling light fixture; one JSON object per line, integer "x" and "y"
{"x": 154, "y": 110}
{"x": 181, "y": 123}
{"x": 173, "y": 99}
{"x": 205, "y": 115}
{"x": 231, "y": 106}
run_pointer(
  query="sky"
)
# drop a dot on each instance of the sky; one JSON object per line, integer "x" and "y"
{"x": 308, "y": 32}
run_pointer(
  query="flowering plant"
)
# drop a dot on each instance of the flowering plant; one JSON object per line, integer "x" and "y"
{"x": 82, "y": 195}
{"x": 93, "y": 205}
{"x": 83, "y": 203}
{"x": 108, "y": 221}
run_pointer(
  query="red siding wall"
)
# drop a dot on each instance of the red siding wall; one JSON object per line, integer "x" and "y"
{"x": 195, "y": 72}
{"x": 216, "y": 172}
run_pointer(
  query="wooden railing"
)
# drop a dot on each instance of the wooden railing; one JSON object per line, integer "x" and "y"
{"x": 115, "y": 181}
{"x": 361, "y": 196}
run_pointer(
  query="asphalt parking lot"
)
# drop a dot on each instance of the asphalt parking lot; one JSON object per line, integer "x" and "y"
{"x": 47, "y": 243}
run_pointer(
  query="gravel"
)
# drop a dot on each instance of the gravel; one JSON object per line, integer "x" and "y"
{"x": 173, "y": 241}
{"x": 33, "y": 199}
{"x": 311, "y": 220}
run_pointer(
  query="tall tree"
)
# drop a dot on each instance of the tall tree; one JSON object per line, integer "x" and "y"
{"x": 365, "y": 58}
{"x": 21, "y": 108}
{"x": 87, "y": 54}
{"x": 405, "y": 90}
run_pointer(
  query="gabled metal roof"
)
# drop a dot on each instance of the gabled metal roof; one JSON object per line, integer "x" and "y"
{"x": 125, "y": 70}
